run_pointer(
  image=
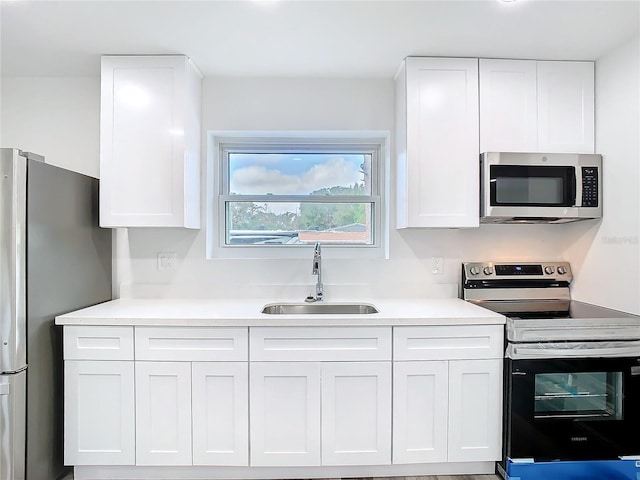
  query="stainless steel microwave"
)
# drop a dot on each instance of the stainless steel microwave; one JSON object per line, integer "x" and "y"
{"x": 540, "y": 187}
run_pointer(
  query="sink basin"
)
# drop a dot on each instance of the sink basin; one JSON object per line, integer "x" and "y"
{"x": 319, "y": 309}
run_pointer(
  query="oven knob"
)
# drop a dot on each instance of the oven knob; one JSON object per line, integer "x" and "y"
{"x": 562, "y": 270}
{"x": 474, "y": 270}
{"x": 548, "y": 270}
{"x": 487, "y": 270}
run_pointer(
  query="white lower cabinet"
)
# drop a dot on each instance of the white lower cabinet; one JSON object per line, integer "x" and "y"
{"x": 192, "y": 413}
{"x": 285, "y": 413}
{"x": 447, "y": 411}
{"x": 447, "y": 394}
{"x": 303, "y": 397}
{"x": 320, "y": 413}
{"x": 220, "y": 411}
{"x": 475, "y": 410}
{"x": 320, "y": 396}
{"x": 356, "y": 413}
{"x": 420, "y": 411}
{"x": 163, "y": 413}
{"x": 99, "y": 413}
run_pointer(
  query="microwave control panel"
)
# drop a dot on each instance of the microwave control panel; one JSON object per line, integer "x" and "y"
{"x": 589, "y": 187}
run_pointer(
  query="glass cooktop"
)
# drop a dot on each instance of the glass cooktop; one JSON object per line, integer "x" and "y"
{"x": 583, "y": 322}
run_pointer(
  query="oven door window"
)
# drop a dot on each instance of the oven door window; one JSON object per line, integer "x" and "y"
{"x": 579, "y": 395}
{"x": 532, "y": 186}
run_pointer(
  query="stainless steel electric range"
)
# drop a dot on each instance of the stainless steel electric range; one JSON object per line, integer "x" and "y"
{"x": 572, "y": 369}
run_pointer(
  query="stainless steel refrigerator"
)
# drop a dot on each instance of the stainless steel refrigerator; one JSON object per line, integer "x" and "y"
{"x": 53, "y": 259}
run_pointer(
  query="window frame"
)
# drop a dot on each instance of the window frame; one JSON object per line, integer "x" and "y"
{"x": 222, "y": 143}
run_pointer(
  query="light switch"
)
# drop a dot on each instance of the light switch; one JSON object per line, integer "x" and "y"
{"x": 437, "y": 265}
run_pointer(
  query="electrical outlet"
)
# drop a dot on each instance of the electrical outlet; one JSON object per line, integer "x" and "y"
{"x": 437, "y": 265}
{"x": 167, "y": 261}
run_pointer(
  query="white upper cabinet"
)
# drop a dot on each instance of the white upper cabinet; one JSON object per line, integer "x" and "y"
{"x": 508, "y": 111}
{"x": 437, "y": 142}
{"x": 566, "y": 107}
{"x": 150, "y": 142}
{"x": 536, "y": 106}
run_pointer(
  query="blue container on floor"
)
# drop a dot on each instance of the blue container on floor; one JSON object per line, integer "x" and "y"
{"x": 575, "y": 470}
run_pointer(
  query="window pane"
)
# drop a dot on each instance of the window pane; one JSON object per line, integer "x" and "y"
{"x": 579, "y": 395}
{"x": 299, "y": 173}
{"x": 278, "y": 223}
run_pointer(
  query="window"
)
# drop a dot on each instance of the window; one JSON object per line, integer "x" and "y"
{"x": 296, "y": 192}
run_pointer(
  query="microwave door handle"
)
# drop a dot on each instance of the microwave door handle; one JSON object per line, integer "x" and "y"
{"x": 572, "y": 194}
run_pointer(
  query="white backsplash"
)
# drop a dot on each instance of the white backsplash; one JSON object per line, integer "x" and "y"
{"x": 406, "y": 274}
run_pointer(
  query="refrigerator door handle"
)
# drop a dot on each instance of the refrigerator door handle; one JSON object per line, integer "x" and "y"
{"x": 13, "y": 216}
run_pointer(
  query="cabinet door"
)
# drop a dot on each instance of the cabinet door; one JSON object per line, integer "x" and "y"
{"x": 475, "y": 410}
{"x": 566, "y": 107}
{"x": 163, "y": 413}
{"x": 442, "y": 144}
{"x": 420, "y": 399}
{"x": 220, "y": 413}
{"x": 285, "y": 413}
{"x": 508, "y": 108}
{"x": 149, "y": 142}
{"x": 356, "y": 413}
{"x": 99, "y": 418}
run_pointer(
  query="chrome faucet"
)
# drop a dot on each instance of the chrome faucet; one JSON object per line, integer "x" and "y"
{"x": 317, "y": 270}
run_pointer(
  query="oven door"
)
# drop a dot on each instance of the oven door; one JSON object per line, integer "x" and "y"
{"x": 572, "y": 408}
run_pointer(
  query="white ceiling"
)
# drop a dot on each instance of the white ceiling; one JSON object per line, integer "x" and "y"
{"x": 348, "y": 38}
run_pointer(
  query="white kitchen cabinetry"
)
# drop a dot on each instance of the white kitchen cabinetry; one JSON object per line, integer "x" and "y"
{"x": 150, "y": 142}
{"x": 220, "y": 400}
{"x": 437, "y": 142}
{"x": 320, "y": 396}
{"x": 566, "y": 107}
{"x": 536, "y": 106}
{"x": 191, "y": 413}
{"x": 187, "y": 403}
{"x": 447, "y": 394}
{"x": 420, "y": 414}
{"x": 475, "y": 410}
{"x": 356, "y": 413}
{"x": 285, "y": 413}
{"x": 215, "y": 402}
{"x": 199, "y": 368}
{"x": 99, "y": 416}
{"x": 163, "y": 413}
{"x": 508, "y": 106}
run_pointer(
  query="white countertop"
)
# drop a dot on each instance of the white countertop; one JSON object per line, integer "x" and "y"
{"x": 246, "y": 312}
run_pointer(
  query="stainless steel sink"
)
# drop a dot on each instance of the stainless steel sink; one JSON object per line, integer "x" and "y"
{"x": 319, "y": 309}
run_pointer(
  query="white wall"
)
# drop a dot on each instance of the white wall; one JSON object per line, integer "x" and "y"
{"x": 58, "y": 117}
{"x": 64, "y": 113}
{"x": 607, "y": 256}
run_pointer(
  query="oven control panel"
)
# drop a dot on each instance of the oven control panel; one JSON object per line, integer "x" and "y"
{"x": 516, "y": 270}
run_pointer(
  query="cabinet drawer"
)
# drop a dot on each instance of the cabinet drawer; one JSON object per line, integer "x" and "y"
{"x": 98, "y": 343}
{"x": 320, "y": 343}
{"x": 191, "y": 343}
{"x": 448, "y": 342}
